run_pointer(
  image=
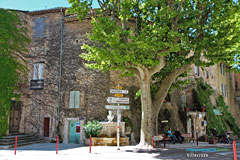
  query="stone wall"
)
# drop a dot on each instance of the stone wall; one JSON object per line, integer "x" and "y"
{"x": 93, "y": 85}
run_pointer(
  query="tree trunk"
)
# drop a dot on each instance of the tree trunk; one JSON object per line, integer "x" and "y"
{"x": 148, "y": 122}
{"x": 150, "y": 110}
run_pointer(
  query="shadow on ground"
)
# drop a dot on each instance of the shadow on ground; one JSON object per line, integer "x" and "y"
{"x": 46, "y": 147}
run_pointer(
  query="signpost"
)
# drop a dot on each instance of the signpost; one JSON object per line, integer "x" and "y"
{"x": 109, "y": 107}
{"x": 118, "y": 100}
{"x": 118, "y": 92}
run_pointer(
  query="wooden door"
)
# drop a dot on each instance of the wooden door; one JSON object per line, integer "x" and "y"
{"x": 74, "y": 132}
{"x": 15, "y": 117}
{"x": 46, "y": 127}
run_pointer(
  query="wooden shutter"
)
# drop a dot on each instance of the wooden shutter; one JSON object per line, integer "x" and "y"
{"x": 39, "y": 27}
{"x": 35, "y": 71}
{"x": 77, "y": 99}
{"x": 71, "y": 99}
{"x": 41, "y": 71}
{"x": 74, "y": 101}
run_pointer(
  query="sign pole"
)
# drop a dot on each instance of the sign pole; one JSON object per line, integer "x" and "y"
{"x": 118, "y": 127}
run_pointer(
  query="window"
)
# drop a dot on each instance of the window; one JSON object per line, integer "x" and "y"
{"x": 74, "y": 101}
{"x": 226, "y": 90}
{"x": 223, "y": 90}
{"x": 206, "y": 74}
{"x": 222, "y": 69}
{"x": 39, "y": 27}
{"x": 38, "y": 71}
{"x": 229, "y": 75}
{"x": 196, "y": 70}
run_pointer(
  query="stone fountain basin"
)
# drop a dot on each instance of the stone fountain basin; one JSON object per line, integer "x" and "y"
{"x": 110, "y": 129}
{"x": 103, "y": 141}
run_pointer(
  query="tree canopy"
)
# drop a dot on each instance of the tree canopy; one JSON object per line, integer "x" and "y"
{"x": 13, "y": 40}
{"x": 159, "y": 40}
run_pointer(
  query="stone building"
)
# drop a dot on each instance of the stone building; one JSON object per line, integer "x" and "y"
{"x": 223, "y": 83}
{"x": 62, "y": 94}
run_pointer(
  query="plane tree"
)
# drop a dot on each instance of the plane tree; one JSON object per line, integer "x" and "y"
{"x": 157, "y": 41}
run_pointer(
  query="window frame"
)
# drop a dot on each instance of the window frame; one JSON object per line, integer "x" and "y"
{"x": 74, "y": 99}
{"x": 38, "y": 71}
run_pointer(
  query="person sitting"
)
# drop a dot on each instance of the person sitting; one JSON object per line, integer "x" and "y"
{"x": 214, "y": 132}
{"x": 173, "y": 137}
{"x": 178, "y": 136}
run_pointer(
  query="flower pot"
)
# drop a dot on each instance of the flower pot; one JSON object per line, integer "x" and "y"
{"x": 212, "y": 141}
{"x": 86, "y": 141}
{"x": 186, "y": 109}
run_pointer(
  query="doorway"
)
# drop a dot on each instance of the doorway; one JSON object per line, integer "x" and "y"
{"x": 46, "y": 127}
{"x": 74, "y": 132}
{"x": 15, "y": 117}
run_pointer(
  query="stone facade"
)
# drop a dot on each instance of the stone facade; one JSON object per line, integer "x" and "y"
{"x": 41, "y": 102}
{"x": 223, "y": 83}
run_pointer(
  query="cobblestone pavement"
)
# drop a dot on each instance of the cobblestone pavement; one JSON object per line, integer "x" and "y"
{"x": 171, "y": 152}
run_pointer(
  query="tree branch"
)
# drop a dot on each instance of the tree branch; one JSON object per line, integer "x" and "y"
{"x": 166, "y": 84}
{"x": 156, "y": 69}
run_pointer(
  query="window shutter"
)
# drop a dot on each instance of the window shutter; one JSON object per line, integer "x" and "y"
{"x": 196, "y": 70}
{"x": 41, "y": 71}
{"x": 71, "y": 100}
{"x": 39, "y": 27}
{"x": 77, "y": 99}
{"x": 222, "y": 87}
{"x": 35, "y": 71}
{"x": 227, "y": 90}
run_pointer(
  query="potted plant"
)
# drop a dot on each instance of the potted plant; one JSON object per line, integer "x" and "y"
{"x": 212, "y": 140}
{"x": 203, "y": 109}
{"x": 93, "y": 128}
{"x": 186, "y": 109}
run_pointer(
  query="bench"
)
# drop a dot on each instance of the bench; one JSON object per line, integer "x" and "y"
{"x": 160, "y": 137}
{"x": 188, "y": 137}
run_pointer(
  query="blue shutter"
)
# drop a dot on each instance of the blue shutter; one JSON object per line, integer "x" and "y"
{"x": 77, "y": 99}
{"x": 71, "y": 100}
{"x": 39, "y": 27}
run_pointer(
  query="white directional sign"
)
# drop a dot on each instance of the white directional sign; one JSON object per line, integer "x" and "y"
{"x": 118, "y": 91}
{"x": 117, "y": 107}
{"x": 118, "y": 100}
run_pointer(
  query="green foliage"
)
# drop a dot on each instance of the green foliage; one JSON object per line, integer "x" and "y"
{"x": 93, "y": 128}
{"x": 227, "y": 117}
{"x": 128, "y": 122}
{"x": 12, "y": 43}
{"x": 222, "y": 122}
{"x": 201, "y": 95}
{"x": 161, "y": 29}
{"x": 160, "y": 38}
{"x": 214, "y": 121}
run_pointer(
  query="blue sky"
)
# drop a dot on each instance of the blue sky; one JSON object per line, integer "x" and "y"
{"x": 31, "y": 5}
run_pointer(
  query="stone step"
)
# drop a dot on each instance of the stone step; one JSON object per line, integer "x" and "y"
{"x": 32, "y": 139}
{"x": 23, "y": 139}
{"x": 12, "y": 138}
{"x": 21, "y": 144}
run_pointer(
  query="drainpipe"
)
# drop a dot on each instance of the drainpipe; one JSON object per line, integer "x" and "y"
{"x": 60, "y": 70}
